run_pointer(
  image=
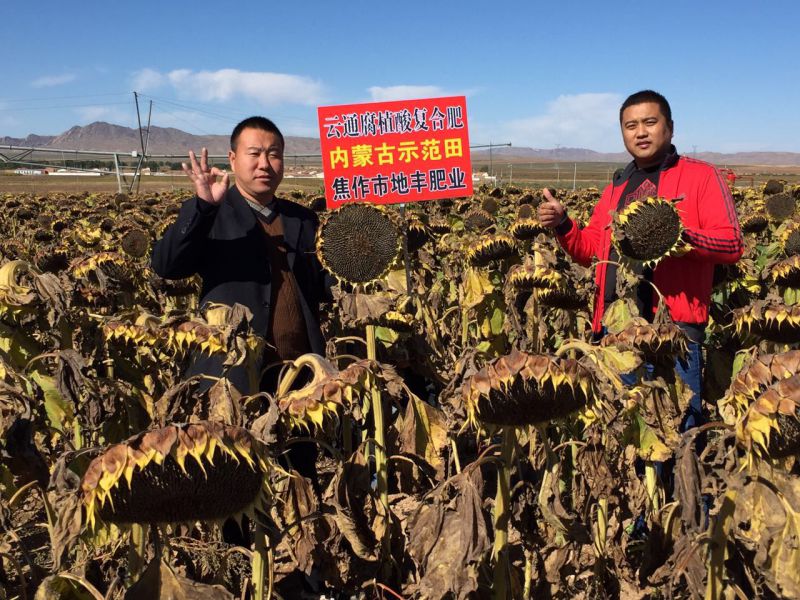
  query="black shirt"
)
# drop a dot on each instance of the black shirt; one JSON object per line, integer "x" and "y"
{"x": 641, "y": 184}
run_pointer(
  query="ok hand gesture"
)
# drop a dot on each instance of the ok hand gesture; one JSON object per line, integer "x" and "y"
{"x": 206, "y": 185}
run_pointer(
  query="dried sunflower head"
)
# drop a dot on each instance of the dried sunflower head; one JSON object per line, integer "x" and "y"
{"x": 770, "y": 320}
{"x": 52, "y": 259}
{"x": 358, "y": 243}
{"x": 477, "y": 219}
{"x": 328, "y": 390}
{"x": 773, "y": 186}
{"x": 790, "y": 240}
{"x": 786, "y": 272}
{"x": 780, "y": 207}
{"x": 754, "y": 223}
{"x": 490, "y": 205}
{"x": 565, "y": 297}
{"x": 398, "y": 321}
{"x": 658, "y": 342}
{"x": 491, "y": 247}
{"x": 771, "y": 425}
{"x": 527, "y": 228}
{"x": 416, "y": 232}
{"x": 110, "y": 263}
{"x": 526, "y": 277}
{"x": 524, "y": 389}
{"x": 177, "y": 473}
{"x": 754, "y": 379}
{"x": 439, "y": 225}
{"x": 647, "y": 230}
{"x": 135, "y": 242}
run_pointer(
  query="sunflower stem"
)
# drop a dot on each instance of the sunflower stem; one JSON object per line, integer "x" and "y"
{"x": 137, "y": 550}
{"x": 526, "y": 590}
{"x": 502, "y": 505}
{"x": 260, "y": 560}
{"x": 715, "y": 561}
{"x": 381, "y": 464}
{"x": 454, "y": 447}
{"x": 602, "y": 527}
{"x": 653, "y": 486}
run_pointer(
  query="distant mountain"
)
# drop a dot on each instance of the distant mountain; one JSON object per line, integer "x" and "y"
{"x": 168, "y": 140}
{"x": 524, "y": 154}
{"x": 521, "y": 154}
{"x": 33, "y": 140}
{"x": 163, "y": 140}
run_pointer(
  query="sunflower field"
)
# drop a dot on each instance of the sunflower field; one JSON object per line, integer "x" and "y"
{"x": 474, "y": 440}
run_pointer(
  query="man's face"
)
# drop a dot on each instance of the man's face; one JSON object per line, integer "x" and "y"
{"x": 646, "y": 133}
{"x": 257, "y": 164}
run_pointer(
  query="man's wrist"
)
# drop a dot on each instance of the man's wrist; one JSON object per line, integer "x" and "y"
{"x": 206, "y": 208}
{"x": 564, "y": 225}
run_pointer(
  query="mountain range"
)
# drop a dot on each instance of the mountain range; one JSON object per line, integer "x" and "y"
{"x": 170, "y": 141}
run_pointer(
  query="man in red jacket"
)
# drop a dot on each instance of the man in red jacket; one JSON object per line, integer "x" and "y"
{"x": 707, "y": 212}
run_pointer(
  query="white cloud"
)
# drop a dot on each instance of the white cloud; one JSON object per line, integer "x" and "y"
{"x": 588, "y": 120}
{"x": 147, "y": 80}
{"x": 226, "y": 84}
{"x": 405, "y": 92}
{"x": 53, "y": 80}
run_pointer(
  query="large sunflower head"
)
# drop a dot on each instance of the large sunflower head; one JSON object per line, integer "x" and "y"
{"x": 522, "y": 389}
{"x": 647, "y": 230}
{"x": 770, "y": 320}
{"x": 322, "y": 397}
{"x": 658, "y": 342}
{"x": 786, "y": 272}
{"x": 527, "y": 228}
{"x": 753, "y": 380}
{"x": 491, "y": 247}
{"x": 790, "y": 240}
{"x": 771, "y": 425}
{"x": 200, "y": 471}
{"x": 780, "y": 207}
{"x": 358, "y": 242}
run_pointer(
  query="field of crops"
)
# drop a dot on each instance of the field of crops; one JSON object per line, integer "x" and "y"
{"x": 473, "y": 441}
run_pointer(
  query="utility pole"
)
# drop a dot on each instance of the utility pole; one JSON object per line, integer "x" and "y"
{"x": 574, "y": 176}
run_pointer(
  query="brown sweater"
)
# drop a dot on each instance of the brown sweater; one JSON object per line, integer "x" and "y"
{"x": 286, "y": 336}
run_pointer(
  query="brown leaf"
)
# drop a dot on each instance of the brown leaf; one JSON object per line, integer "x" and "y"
{"x": 360, "y": 309}
{"x": 63, "y": 496}
{"x": 688, "y": 482}
{"x": 351, "y": 494}
{"x": 223, "y": 403}
{"x": 448, "y": 538}
{"x": 160, "y": 582}
{"x": 299, "y": 503}
{"x": 265, "y": 427}
{"x": 424, "y": 433}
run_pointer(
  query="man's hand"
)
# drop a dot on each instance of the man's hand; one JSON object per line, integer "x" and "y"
{"x": 551, "y": 211}
{"x": 206, "y": 185}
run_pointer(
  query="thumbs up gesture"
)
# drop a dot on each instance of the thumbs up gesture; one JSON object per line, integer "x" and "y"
{"x": 551, "y": 211}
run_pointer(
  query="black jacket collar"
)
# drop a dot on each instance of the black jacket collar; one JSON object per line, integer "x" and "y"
{"x": 670, "y": 160}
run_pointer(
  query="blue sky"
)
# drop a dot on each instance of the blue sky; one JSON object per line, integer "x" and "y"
{"x": 535, "y": 74}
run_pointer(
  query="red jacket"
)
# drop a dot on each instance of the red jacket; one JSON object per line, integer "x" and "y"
{"x": 709, "y": 217}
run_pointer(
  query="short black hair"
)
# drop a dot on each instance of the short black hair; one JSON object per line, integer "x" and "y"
{"x": 648, "y": 96}
{"x": 261, "y": 123}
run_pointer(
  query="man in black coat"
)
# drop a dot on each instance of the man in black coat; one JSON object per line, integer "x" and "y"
{"x": 249, "y": 247}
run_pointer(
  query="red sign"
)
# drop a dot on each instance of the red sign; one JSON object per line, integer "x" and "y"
{"x": 391, "y": 152}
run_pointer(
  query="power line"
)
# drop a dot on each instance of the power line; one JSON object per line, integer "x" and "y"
{"x": 27, "y": 108}
{"x": 37, "y": 98}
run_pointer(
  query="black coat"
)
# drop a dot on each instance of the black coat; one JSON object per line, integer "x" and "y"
{"x": 225, "y": 245}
